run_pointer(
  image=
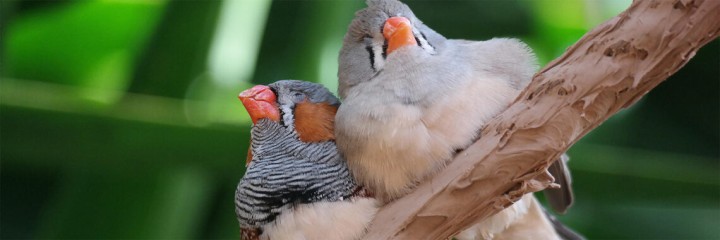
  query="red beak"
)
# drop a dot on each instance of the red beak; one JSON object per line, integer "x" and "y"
{"x": 398, "y": 32}
{"x": 260, "y": 102}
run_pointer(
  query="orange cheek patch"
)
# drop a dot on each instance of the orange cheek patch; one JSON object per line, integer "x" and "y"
{"x": 315, "y": 122}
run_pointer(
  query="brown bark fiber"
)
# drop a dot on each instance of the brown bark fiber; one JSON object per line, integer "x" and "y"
{"x": 609, "y": 68}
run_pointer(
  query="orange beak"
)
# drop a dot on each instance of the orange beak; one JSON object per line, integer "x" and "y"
{"x": 398, "y": 32}
{"x": 260, "y": 102}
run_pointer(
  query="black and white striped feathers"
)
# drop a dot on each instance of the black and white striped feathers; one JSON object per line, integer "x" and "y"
{"x": 285, "y": 171}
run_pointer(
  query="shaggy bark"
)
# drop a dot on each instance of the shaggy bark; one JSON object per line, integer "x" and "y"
{"x": 609, "y": 68}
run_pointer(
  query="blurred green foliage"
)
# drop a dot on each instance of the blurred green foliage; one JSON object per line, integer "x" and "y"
{"x": 83, "y": 42}
{"x": 118, "y": 119}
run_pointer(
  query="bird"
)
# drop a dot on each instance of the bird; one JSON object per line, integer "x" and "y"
{"x": 412, "y": 99}
{"x": 296, "y": 185}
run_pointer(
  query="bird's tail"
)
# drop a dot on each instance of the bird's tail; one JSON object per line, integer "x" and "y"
{"x": 564, "y": 231}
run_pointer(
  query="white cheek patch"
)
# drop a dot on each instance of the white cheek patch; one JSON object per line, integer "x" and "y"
{"x": 378, "y": 56}
{"x": 288, "y": 117}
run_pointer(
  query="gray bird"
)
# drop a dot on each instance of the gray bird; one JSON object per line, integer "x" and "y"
{"x": 297, "y": 186}
{"x": 412, "y": 99}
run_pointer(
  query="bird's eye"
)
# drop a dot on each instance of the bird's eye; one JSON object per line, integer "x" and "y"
{"x": 367, "y": 38}
{"x": 298, "y": 95}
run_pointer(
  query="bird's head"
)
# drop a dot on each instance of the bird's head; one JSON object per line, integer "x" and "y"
{"x": 304, "y": 108}
{"x": 383, "y": 29}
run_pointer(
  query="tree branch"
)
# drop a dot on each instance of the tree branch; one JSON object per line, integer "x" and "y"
{"x": 609, "y": 68}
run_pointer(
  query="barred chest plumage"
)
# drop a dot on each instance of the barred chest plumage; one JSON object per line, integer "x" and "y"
{"x": 286, "y": 172}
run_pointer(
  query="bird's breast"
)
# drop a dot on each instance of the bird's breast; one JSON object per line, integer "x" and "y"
{"x": 391, "y": 144}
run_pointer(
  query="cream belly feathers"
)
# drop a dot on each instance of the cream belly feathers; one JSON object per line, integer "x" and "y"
{"x": 342, "y": 220}
{"x": 412, "y": 99}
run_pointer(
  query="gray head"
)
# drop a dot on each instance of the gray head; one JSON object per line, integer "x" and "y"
{"x": 290, "y": 93}
{"x": 365, "y": 47}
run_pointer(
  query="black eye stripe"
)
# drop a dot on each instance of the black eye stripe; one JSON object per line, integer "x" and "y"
{"x": 274, "y": 91}
{"x": 372, "y": 56}
{"x": 426, "y": 39}
{"x": 384, "y": 49}
{"x": 369, "y": 48}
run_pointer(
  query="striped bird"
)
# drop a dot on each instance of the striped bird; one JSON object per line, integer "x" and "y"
{"x": 297, "y": 186}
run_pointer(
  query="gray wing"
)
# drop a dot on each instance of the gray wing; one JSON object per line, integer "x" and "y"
{"x": 560, "y": 199}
